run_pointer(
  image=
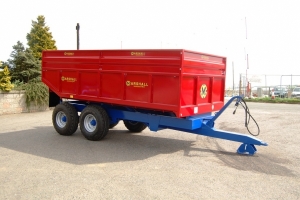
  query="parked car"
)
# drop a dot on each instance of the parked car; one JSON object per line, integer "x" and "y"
{"x": 280, "y": 92}
{"x": 296, "y": 92}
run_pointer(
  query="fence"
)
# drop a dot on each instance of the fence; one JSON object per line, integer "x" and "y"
{"x": 263, "y": 85}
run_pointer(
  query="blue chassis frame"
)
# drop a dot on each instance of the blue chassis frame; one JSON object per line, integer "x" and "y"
{"x": 198, "y": 124}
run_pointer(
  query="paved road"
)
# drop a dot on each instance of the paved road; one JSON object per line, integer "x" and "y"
{"x": 37, "y": 163}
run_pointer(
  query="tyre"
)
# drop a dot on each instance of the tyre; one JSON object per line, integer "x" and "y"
{"x": 65, "y": 119}
{"x": 94, "y": 123}
{"x": 113, "y": 125}
{"x": 134, "y": 126}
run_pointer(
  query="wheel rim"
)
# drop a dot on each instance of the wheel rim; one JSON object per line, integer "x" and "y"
{"x": 90, "y": 123}
{"x": 61, "y": 119}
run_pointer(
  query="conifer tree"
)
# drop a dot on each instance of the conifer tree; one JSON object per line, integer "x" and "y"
{"x": 40, "y": 38}
{"x": 23, "y": 65}
{"x": 5, "y": 84}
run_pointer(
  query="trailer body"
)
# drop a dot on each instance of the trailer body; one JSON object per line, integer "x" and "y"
{"x": 183, "y": 82}
{"x": 160, "y": 89}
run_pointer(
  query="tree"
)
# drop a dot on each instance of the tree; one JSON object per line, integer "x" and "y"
{"x": 23, "y": 65}
{"x": 4, "y": 64}
{"x": 17, "y": 49}
{"x": 5, "y": 84}
{"x": 40, "y": 38}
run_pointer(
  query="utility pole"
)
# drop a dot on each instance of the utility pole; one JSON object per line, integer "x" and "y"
{"x": 77, "y": 29}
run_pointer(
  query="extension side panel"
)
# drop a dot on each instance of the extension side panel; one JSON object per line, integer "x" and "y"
{"x": 202, "y": 83}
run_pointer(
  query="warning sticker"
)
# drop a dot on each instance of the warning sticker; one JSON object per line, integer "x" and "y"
{"x": 203, "y": 91}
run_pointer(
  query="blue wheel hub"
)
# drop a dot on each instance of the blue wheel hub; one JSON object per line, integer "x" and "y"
{"x": 90, "y": 123}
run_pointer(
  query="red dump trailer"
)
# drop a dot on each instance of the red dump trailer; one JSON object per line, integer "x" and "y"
{"x": 178, "y": 81}
{"x": 131, "y": 85}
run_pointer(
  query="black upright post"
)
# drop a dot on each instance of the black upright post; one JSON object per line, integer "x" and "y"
{"x": 77, "y": 29}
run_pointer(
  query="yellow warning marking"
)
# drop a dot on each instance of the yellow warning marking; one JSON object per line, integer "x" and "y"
{"x": 203, "y": 91}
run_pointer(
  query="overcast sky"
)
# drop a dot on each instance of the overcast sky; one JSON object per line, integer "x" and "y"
{"x": 214, "y": 26}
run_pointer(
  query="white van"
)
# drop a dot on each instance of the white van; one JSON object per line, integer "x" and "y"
{"x": 296, "y": 92}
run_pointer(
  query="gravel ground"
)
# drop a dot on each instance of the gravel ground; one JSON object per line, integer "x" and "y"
{"x": 37, "y": 163}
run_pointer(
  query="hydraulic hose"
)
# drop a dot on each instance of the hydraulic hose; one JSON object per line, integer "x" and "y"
{"x": 248, "y": 116}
